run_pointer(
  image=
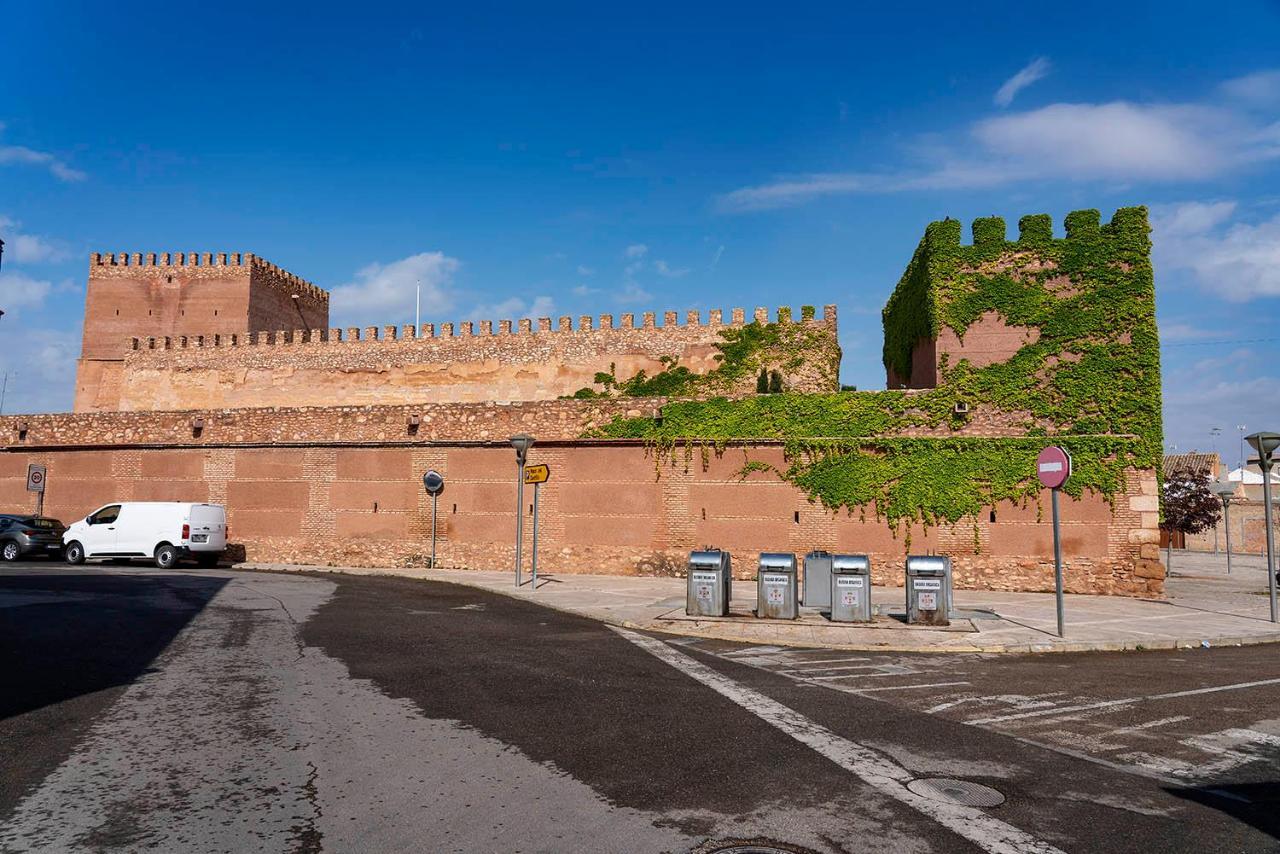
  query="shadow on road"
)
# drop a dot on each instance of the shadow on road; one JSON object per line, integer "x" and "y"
{"x": 1254, "y": 804}
{"x": 66, "y": 635}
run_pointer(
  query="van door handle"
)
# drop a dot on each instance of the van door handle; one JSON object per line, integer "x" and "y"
{"x": 112, "y": 528}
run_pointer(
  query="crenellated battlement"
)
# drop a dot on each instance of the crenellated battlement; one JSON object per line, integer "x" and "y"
{"x": 586, "y": 324}
{"x": 1127, "y": 225}
{"x": 208, "y": 263}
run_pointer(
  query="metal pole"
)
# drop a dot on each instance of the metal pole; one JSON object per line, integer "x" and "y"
{"x": 435, "y": 500}
{"x": 40, "y": 503}
{"x": 519, "y": 519}
{"x": 1226, "y": 521}
{"x": 536, "y": 490}
{"x": 1057, "y": 564}
{"x": 417, "y": 309}
{"x": 1265, "y": 465}
{"x": 4, "y": 388}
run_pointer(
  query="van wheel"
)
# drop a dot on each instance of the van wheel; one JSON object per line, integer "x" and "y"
{"x": 166, "y": 556}
{"x": 10, "y": 551}
{"x": 73, "y": 553}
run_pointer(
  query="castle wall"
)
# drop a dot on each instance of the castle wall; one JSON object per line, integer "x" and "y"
{"x": 343, "y": 486}
{"x": 180, "y": 294}
{"x": 608, "y": 508}
{"x": 397, "y": 366}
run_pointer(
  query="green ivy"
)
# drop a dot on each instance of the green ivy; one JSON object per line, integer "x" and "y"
{"x": 743, "y": 351}
{"x": 1090, "y": 380}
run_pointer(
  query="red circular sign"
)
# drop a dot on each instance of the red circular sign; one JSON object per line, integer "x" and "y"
{"x": 1053, "y": 466}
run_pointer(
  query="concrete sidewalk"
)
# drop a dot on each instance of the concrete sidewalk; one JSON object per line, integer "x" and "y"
{"x": 1204, "y": 605}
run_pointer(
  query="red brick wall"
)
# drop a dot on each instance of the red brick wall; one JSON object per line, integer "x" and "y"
{"x": 608, "y": 508}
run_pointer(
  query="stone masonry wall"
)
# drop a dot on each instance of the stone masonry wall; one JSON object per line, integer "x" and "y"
{"x": 609, "y": 507}
{"x": 395, "y": 366}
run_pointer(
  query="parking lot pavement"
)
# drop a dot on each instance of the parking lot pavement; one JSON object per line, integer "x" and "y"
{"x": 301, "y": 713}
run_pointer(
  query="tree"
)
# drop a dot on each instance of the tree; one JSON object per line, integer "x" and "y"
{"x": 1187, "y": 506}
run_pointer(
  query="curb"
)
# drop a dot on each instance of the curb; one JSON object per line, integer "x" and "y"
{"x": 972, "y": 649}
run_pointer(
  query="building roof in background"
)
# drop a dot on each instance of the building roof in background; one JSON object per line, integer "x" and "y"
{"x": 1251, "y": 475}
{"x": 1205, "y": 464}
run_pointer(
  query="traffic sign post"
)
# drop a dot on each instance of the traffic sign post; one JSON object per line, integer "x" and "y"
{"x": 36, "y": 477}
{"x": 522, "y": 442}
{"x": 537, "y": 475}
{"x": 433, "y": 482}
{"x": 1053, "y": 467}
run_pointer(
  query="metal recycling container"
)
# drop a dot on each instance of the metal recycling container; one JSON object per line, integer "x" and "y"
{"x": 850, "y": 589}
{"x": 929, "y": 590}
{"x": 817, "y": 579}
{"x": 776, "y": 587}
{"x": 710, "y": 580}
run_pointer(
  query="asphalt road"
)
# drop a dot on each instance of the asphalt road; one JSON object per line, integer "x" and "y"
{"x": 227, "y": 711}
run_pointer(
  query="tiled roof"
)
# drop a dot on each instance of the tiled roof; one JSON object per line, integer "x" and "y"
{"x": 1206, "y": 464}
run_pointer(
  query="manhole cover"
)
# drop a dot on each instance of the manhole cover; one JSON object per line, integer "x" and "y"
{"x": 957, "y": 792}
{"x": 749, "y": 846}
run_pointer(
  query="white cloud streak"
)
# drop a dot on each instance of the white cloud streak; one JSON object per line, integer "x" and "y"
{"x": 1028, "y": 74}
{"x": 20, "y": 155}
{"x": 384, "y": 293}
{"x": 21, "y": 248}
{"x": 1238, "y": 261}
{"x": 1119, "y": 141}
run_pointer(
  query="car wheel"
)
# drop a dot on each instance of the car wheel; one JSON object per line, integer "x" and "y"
{"x": 166, "y": 556}
{"x": 10, "y": 551}
{"x": 74, "y": 553}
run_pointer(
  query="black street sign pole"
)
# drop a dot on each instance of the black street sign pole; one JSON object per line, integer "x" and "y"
{"x": 537, "y": 487}
{"x": 434, "y": 484}
{"x": 1053, "y": 467}
{"x": 435, "y": 500}
{"x": 1057, "y": 561}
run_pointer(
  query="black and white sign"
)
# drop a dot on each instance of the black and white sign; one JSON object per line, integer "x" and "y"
{"x": 35, "y": 478}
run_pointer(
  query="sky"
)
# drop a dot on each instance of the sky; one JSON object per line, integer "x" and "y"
{"x": 548, "y": 159}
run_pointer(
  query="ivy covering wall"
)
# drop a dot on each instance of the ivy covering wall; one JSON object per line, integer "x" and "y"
{"x": 1090, "y": 379}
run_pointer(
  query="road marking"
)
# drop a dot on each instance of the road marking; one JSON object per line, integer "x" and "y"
{"x": 1062, "y": 710}
{"x": 800, "y": 661}
{"x": 791, "y": 670}
{"x": 905, "y": 687}
{"x": 876, "y": 770}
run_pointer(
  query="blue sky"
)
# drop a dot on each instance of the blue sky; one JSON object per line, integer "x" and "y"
{"x": 568, "y": 159}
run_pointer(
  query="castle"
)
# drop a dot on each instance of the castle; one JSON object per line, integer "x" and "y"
{"x": 218, "y": 378}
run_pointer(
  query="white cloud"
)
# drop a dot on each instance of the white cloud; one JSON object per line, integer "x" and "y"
{"x": 20, "y": 248}
{"x": 41, "y": 364}
{"x": 584, "y": 270}
{"x": 23, "y": 156}
{"x": 1220, "y": 392}
{"x": 666, "y": 270}
{"x": 584, "y": 290}
{"x": 636, "y": 250}
{"x": 632, "y": 293}
{"x": 1261, "y": 87}
{"x": 715, "y": 259}
{"x": 1238, "y": 261}
{"x": 1028, "y": 74}
{"x": 1119, "y": 141}
{"x": 18, "y": 290}
{"x": 514, "y": 307}
{"x": 384, "y": 293}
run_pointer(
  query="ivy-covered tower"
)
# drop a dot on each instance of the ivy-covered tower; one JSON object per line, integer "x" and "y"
{"x": 1058, "y": 332}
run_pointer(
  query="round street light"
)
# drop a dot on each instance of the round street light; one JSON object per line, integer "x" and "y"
{"x": 1266, "y": 443}
{"x": 1225, "y": 490}
{"x": 522, "y": 442}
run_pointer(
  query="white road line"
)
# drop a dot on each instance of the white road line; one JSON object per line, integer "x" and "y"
{"x": 798, "y": 661}
{"x": 1062, "y": 710}
{"x": 878, "y": 771}
{"x": 848, "y": 676}
{"x": 905, "y": 687}
{"x": 791, "y": 670}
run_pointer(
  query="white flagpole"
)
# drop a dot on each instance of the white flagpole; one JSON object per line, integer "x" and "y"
{"x": 417, "y": 309}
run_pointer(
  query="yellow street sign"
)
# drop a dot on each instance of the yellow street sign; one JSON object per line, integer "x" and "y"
{"x": 537, "y": 474}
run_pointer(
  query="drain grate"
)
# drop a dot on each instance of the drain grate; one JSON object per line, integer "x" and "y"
{"x": 749, "y": 846}
{"x": 961, "y": 792}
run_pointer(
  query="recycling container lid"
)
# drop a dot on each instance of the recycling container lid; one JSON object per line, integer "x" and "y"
{"x": 850, "y": 563}
{"x": 778, "y": 561}
{"x": 928, "y": 564}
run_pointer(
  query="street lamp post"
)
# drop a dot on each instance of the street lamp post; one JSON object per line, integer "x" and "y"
{"x": 522, "y": 442}
{"x": 1226, "y": 490}
{"x": 1266, "y": 444}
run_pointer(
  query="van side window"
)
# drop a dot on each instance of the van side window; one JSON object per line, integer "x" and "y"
{"x": 105, "y": 515}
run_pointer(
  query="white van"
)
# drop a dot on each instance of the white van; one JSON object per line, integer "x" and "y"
{"x": 165, "y": 531}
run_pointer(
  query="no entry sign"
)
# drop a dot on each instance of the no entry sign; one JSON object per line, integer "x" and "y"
{"x": 1053, "y": 466}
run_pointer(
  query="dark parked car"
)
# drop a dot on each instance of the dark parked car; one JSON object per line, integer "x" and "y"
{"x": 22, "y": 536}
